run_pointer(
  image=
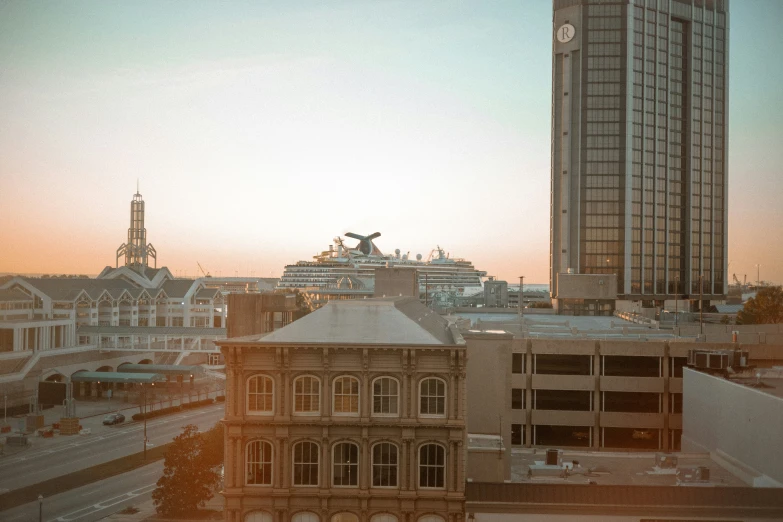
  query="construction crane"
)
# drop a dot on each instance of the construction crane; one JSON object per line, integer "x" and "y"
{"x": 736, "y": 281}
{"x": 206, "y": 274}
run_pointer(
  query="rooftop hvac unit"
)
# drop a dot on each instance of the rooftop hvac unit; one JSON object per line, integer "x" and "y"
{"x": 697, "y": 475}
{"x": 717, "y": 359}
{"x": 554, "y": 457}
{"x": 665, "y": 461}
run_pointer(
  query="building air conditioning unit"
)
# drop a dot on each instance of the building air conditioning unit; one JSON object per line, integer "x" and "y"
{"x": 554, "y": 457}
{"x": 718, "y": 360}
{"x": 698, "y": 475}
{"x": 665, "y": 461}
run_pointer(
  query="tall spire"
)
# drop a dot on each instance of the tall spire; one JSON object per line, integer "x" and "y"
{"x": 136, "y": 250}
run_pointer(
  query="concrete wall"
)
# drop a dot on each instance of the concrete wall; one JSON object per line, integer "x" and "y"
{"x": 250, "y": 314}
{"x": 743, "y": 423}
{"x": 397, "y": 281}
{"x": 586, "y": 286}
{"x": 489, "y": 388}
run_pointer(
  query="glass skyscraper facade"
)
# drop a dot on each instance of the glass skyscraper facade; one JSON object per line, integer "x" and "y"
{"x": 639, "y": 155}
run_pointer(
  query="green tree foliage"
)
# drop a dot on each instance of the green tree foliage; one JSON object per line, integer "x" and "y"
{"x": 303, "y": 307}
{"x": 765, "y": 308}
{"x": 190, "y": 473}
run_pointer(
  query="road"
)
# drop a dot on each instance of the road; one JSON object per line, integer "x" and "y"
{"x": 49, "y": 458}
{"x": 93, "y": 501}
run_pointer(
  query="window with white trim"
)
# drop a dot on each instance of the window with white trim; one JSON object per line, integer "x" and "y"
{"x": 258, "y": 463}
{"x": 307, "y": 394}
{"x": 260, "y": 395}
{"x": 306, "y": 460}
{"x": 384, "y": 465}
{"x": 385, "y": 396}
{"x": 432, "y": 397}
{"x": 345, "y": 393}
{"x": 345, "y": 464}
{"x": 432, "y": 466}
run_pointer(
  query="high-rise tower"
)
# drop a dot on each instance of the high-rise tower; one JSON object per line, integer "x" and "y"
{"x": 136, "y": 250}
{"x": 639, "y": 146}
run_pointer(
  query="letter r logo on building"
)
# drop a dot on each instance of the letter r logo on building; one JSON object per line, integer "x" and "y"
{"x": 565, "y": 33}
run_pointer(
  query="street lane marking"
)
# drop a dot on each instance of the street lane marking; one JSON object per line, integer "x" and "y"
{"x": 104, "y": 504}
{"x": 90, "y": 440}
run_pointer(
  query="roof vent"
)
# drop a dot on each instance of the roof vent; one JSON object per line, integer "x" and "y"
{"x": 699, "y": 475}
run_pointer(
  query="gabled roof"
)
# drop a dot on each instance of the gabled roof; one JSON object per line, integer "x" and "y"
{"x": 395, "y": 320}
{"x": 208, "y": 293}
{"x": 14, "y": 294}
{"x": 64, "y": 289}
{"x": 178, "y": 287}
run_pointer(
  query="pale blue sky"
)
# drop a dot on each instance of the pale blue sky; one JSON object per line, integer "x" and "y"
{"x": 260, "y": 130}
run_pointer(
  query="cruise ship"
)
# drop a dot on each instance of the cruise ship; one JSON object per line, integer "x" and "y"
{"x": 344, "y": 272}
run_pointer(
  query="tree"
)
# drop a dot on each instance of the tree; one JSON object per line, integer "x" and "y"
{"x": 190, "y": 474}
{"x": 303, "y": 307}
{"x": 765, "y": 308}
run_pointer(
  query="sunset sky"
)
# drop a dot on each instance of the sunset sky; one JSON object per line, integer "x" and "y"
{"x": 259, "y": 131}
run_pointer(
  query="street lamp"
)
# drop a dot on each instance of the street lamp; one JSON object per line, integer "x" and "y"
{"x": 521, "y": 293}
{"x": 144, "y": 414}
{"x": 40, "y": 508}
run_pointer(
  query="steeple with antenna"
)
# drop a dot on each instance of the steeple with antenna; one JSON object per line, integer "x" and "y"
{"x": 136, "y": 250}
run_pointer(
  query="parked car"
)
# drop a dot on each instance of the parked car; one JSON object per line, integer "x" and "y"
{"x": 113, "y": 418}
{"x": 642, "y": 434}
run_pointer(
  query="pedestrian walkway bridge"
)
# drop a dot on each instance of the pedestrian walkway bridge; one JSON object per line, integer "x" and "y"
{"x": 153, "y": 338}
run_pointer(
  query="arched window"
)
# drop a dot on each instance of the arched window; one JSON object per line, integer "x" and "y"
{"x": 260, "y": 395}
{"x": 307, "y": 394}
{"x": 432, "y": 466}
{"x": 431, "y": 518}
{"x": 383, "y": 517}
{"x": 306, "y": 463}
{"x": 305, "y": 516}
{"x": 432, "y": 397}
{"x": 345, "y": 517}
{"x": 258, "y": 463}
{"x": 345, "y": 459}
{"x": 385, "y": 394}
{"x": 258, "y": 516}
{"x": 345, "y": 395}
{"x": 384, "y": 465}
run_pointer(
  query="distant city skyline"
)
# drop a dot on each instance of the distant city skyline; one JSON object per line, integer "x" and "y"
{"x": 260, "y": 131}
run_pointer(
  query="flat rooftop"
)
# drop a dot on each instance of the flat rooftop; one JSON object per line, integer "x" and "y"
{"x": 564, "y": 326}
{"x": 770, "y": 382}
{"x": 616, "y": 468}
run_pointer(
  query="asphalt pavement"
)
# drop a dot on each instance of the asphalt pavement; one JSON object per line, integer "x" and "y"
{"x": 93, "y": 501}
{"x": 46, "y": 458}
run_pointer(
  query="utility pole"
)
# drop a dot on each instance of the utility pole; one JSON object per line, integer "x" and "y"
{"x": 426, "y": 289}
{"x": 144, "y": 388}
{"x": 676, "y": 298}
{"x": 701, "y": 305}
{"x": 758, "y": 278}
{"x": 521, "y": 293}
